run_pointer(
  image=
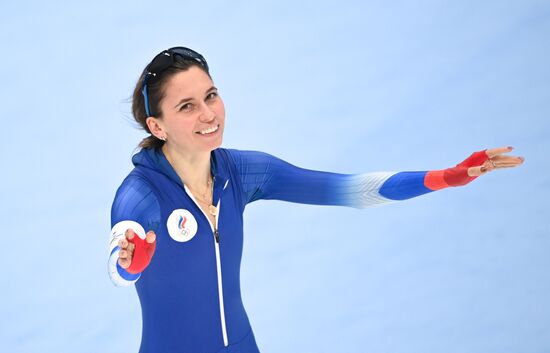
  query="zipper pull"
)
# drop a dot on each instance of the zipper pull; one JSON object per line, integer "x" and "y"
{"x": 217, "y": 236}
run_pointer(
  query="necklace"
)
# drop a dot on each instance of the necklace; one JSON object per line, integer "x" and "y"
{"x": 206, "y": 191}
{"x": 206, "y": 197}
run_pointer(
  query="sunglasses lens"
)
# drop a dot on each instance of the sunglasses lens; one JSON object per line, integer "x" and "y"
{"x": 165, "y": 59}
{"x": 160, "y": 63}
{"x": 187, "y": 53}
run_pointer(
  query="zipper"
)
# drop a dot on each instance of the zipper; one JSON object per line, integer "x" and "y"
{"x": 216, "y": 235}
{"x": 219, "y": 268}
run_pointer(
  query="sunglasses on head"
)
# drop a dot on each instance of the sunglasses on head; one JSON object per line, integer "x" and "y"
{"x": 164, "y": 60}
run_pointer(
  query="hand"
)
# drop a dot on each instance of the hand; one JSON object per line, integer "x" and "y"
{"x": 136, "y": 253}
{"x": 477, "y": 164}
{"x": 495, "y": 161}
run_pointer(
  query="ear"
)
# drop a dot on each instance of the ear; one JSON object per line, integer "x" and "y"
{"x": 155, "y": 126}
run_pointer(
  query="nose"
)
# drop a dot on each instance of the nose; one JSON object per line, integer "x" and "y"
{"x": 207, "y": 114}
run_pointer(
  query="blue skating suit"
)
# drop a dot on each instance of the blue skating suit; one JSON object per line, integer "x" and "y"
{"x": 190, "y": 292}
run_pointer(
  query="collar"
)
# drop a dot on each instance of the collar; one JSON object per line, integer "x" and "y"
{"x": 154, "y": 158}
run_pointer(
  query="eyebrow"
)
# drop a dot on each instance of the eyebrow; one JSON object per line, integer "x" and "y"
{"x": 185, "y": 100}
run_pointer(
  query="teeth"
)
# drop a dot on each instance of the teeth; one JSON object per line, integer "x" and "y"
{"x": 207, "y": 131}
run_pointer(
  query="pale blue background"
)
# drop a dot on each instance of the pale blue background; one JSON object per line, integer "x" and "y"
{"x": 347, "y": 86}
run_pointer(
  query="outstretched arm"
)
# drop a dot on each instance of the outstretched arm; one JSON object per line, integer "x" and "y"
{"x": 264, "y": 176}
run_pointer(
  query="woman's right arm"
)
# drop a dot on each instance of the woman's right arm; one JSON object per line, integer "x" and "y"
{"x": 135, "y": 206}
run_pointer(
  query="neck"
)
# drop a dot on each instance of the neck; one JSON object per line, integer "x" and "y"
{"x": 193, "y": 169}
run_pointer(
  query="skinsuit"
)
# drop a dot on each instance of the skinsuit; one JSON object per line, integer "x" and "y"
{"x": 190, "y": 292}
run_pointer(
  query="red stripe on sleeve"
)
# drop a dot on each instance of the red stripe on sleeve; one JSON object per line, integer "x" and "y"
{"x": 434, "y": 180}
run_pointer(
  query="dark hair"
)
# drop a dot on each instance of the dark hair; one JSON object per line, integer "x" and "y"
{"x": 156, "y": 92}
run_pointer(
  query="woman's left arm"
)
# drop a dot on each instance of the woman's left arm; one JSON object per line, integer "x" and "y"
{"x": 264, "y": 176}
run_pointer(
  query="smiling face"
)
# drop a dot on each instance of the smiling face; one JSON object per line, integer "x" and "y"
{"x": 193, "y": 113}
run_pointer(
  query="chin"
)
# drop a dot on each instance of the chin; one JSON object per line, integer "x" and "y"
{"x": 216, "y": 144}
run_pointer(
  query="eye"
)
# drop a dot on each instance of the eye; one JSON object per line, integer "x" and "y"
{"x": 212, "y": 95}
{"x": 186, "y": 107}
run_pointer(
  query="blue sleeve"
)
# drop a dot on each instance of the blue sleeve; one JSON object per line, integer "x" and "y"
{"x": 266, "y": 177}
{"x": 134, "y": 202}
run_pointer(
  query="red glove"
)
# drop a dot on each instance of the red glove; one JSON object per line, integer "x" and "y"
{"x": 455, "y": 176}
{"x": 143, "y": 253}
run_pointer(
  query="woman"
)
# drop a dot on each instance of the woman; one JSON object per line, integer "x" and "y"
{"x": 190, "y": 194}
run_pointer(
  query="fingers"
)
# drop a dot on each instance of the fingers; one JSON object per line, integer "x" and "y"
{"x": 502, "y": 160}
{"x": 125, "y": 258}
{"x": 129, "y": 233}
{"x": 124, "y": 263}
{"x": 126, "y": 249}
{"x": 126, "y": 254}
{"x": 125, "y": 244}
{"x": 491, "y": 152}
{"x": 496, "y": 162}
{"x": 150, "y": 237}
{"x": 507, "y": 164}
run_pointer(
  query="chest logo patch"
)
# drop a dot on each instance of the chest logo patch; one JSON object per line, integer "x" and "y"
{"x": 181, "y": 224}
